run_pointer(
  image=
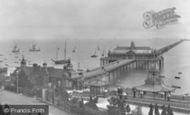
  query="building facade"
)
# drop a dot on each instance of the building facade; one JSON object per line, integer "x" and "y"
{"x": 36, "y": 76}
{"x": 145, "y": 56}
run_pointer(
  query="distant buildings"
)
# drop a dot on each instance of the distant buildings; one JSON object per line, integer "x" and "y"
{"x": 37, "y": 76}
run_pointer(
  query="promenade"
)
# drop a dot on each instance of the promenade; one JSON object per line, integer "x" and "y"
{"x": 7, "y": 97}
{"x": 177, "y": 102}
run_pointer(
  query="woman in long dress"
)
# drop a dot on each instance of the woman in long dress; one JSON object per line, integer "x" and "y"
{"x": 156, "y": 110}
{"x": 163, "y": 110}
{"x": 151, "y": 110}
{"x": 169, "y": 110}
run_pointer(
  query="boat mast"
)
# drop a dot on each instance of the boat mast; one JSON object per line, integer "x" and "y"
{"x": 65, "y": 51}
{"x": 15, "y": 47}
{"x": 78, "y": 66}
{"x": 33, "y": 46}
{"x": 57, "y": 53}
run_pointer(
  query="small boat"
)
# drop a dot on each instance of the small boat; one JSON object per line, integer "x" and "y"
{"x": 16, "y": 49}
{"x": 6, "y": 64}
{"x": 74, "y": 50}
{"x": 98, "y": 48}
{"x": 179, "y": 72}
{"x": 94, "y": 55}
{"x": 79, "y": 69}
{"x": 34, "y": 48}
{"x": 176, "y": 87}
{"x": 16, "y": 62}
{"x": 103, "y": 53}
{"x": 176, "y": 77}
{"x": 62, "y": 61}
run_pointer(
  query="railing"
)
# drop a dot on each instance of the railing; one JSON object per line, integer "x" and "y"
{"x": 175, "y": 106}
{"x": 25, "y": 91}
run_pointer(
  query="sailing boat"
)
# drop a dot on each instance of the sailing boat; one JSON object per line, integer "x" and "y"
{"x": 98, "y": 48}
{"x": 74, "y": 50}
{"x": 34, "y": 48}
{"x": 15, "y": 49}
{"x": 103, "y": 53}
{"x": 62, "y": 61}
{"x": 79, "y": 69}
{"x": 94, "y": 55}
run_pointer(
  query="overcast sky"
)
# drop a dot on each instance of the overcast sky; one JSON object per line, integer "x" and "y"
{"x": 87, "y": 19}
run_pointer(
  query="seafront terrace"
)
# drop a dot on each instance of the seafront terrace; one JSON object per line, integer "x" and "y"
{"x": 179, "y": 103}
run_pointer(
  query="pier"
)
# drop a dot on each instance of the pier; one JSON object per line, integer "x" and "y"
{"x": 125, "y": 59}
{"x": 107, "y": 73}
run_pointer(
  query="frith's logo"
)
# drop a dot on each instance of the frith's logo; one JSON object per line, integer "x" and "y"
{"x": 160, "y": 19}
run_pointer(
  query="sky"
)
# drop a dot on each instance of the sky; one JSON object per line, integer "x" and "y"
{"x": 87, "y": 19}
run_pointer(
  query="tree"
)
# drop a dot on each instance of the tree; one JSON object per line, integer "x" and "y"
{"x": 23, "y": 80}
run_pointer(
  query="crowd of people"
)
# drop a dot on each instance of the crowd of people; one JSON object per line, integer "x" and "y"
{"x": 139, "y": 93}
{"x": 165, "y": 110}
{"x": 155, "y": 109}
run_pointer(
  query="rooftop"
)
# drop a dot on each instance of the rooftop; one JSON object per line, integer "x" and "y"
{"x": 132, "y": 48}
{"x": 38, "y": 70}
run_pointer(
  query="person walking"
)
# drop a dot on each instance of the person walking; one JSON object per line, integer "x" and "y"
{"x": 163, "y": 110}
{"x": 141, "y": 94}
{"x": 134, "y": 92}
{"x": 125, "y": 95}
{"x": 128, "y": 109}
{"x": 169, "y": 110}
{"x": 165, "y": 95}
{"x": 120, "y": 92}
{"x": 139, "y": 110}
{"x": 156, "y": 110}
{"x": 151, "y": 110}
{"x": 168, "y": 96}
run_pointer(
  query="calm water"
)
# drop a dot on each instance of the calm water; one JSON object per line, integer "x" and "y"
{"x": 176, "y": 60}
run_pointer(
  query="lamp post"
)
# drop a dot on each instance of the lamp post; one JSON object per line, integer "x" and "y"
{"x": 17, "y": 82}
{"x": 53, "y": 96}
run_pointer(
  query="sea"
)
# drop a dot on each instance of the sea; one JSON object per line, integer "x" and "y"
{"x": 176, "y": 60}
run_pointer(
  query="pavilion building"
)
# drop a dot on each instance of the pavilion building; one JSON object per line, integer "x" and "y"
{"x": 154, "y": 84}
